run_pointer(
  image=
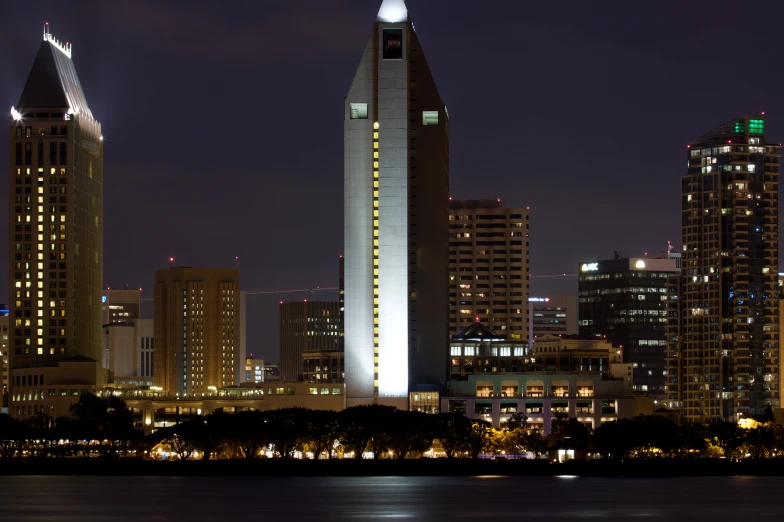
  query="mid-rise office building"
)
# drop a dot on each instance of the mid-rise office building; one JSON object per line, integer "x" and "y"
{"x": 129, "y": 351}
{"x": 121, "y": 305}
{"x": 625, "y": 300}
{"x": 309, "y": 328}
{"x": 197, "y": 324}
{"x": 396, "y": 191}
{"x": 258, "y": 371}
{"x": 56, "y": 215}
{"x": 723, "y": 358}
{"x": 488, "y": 267}
{"x": 552, "y": 315}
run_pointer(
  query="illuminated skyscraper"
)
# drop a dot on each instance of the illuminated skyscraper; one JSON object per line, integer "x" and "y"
{"x": 723, "y": 339}
{"x": 396, "y": 190}
{"x": 197, "y": 329}
{"x": 56, "y": 216}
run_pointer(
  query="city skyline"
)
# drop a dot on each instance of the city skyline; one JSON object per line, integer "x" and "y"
{"x": 141, "y": 186}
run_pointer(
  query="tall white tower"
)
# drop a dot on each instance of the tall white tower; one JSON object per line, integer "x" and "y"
{"x": 396, "y": 195}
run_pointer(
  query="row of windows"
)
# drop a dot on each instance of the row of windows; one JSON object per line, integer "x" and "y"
{"x": 57, "y": 155}
{"x": 486, "y": 243}
{"x": 27, "y": 132}
{"x": 485, "y": 252}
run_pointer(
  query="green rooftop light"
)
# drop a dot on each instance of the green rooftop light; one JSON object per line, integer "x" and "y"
{"x": 756, "y": 126}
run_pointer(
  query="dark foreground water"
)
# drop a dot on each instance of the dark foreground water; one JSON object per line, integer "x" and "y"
{"x": 60, "y": 499}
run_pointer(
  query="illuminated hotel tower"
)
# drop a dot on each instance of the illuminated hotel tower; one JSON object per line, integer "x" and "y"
{"x": 396, "y": 190}
{"x": 56, "y": 216}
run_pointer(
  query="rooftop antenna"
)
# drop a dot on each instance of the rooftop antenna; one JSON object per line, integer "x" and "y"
{"x": 171, "y": 262}
{"x": 237, "y": 262}
{"x": 669, "y": 247}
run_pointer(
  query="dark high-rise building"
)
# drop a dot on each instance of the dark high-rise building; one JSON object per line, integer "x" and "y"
{"x": 396, "y": 195}
{"x": 310, "y": 330}
{"x": 488, "y": 267}
{"x": 55, "y": 216}
{"x": 723, "y": 356}
{"x": 626, "y": 301}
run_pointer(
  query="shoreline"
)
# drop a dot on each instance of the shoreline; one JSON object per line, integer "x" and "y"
{"x": 660, "y": 467}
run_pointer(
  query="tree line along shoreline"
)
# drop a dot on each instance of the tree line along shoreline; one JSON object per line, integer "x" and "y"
{"x": 103, "y": 429}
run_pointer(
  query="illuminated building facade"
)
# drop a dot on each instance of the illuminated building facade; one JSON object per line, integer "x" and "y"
{"x": 723, "y": 356}
{"x": 493, "y": 378}
{"x": 626, "y": 301}
{"x": 197, "y": 329}
{"x": 488, "y": 267}
{"x": 56, "y": 216}
{"x": 309, "y": 328}
{"x": 396, "y": 191}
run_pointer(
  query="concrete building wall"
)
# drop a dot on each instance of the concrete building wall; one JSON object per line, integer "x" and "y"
{"x": 145, "y": 349}
{"x": 120, "y": 349}
{"x": 358, "y": 234}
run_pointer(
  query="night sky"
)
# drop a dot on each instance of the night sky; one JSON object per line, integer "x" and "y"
{"x": 223, "y": 122}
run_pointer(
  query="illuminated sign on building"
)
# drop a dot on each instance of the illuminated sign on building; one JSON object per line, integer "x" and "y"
{"x": 538, "y": 299}
{"x": 640, "y": 264}
{"x": 103, "y": 298}
{"x": 590, "y": 267}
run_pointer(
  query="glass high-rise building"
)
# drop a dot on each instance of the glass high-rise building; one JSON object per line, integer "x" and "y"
{"x": 625, "y": 300}
{"x": 396, "y": 196}
{"x": 723, "y": 358}
{"x": 56, "y": 216}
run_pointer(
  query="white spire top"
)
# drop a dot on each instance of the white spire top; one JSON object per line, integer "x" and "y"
{"x": 392, "y": 12}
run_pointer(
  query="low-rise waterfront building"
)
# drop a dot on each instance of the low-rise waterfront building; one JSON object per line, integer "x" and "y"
{"x": 153, "y": 408}
{"x": 492, "y": 378}
{"x": 51, "y": 390}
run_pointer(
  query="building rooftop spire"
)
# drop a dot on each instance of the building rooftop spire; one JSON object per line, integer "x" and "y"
{"x": 53, "y": 82}
{"x": 392, "y": 12}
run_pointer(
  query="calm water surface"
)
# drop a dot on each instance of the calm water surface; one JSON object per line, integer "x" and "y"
{"x": 61, "y": 499}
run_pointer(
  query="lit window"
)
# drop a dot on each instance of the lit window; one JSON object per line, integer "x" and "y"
{"x": 359, "y": 111}
{"x": 429, "y": 118}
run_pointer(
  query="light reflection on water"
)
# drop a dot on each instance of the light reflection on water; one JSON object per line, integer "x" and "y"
{"x": 88, "y": 499}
